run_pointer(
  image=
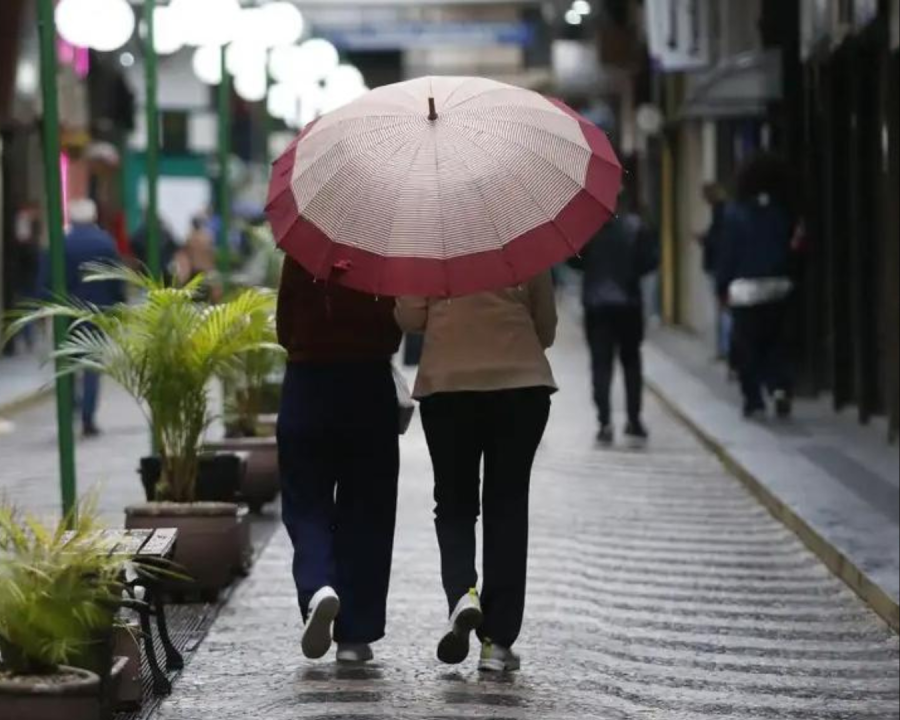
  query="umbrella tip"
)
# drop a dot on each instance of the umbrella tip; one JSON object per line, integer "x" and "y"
{"x": 432, "y": 110}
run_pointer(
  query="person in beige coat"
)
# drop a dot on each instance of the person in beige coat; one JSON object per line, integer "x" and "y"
{"x": 485, "y": 385}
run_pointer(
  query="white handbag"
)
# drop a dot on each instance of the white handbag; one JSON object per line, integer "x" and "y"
{"x": 406, "y": 404}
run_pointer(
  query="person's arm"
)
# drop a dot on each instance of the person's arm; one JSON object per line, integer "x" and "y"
{"x": 411, "y": 314}
{"x": 726, "y": 271}
{"x": 648, "y": 251}
{"x": 542, "y": 295}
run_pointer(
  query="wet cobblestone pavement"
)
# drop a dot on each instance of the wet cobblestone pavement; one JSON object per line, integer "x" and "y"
{"x": 659, "y": 589}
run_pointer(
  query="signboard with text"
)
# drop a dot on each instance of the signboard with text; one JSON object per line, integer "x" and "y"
{"x": 409, "y": 35}
{"x": 679, "y": 33}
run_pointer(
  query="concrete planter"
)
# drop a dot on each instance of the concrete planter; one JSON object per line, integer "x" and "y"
{"x": 73, "y": 694}
{"x": 219, "y": 481}
{"x": 261, "y": 482}
{"x": 211, "y": 541}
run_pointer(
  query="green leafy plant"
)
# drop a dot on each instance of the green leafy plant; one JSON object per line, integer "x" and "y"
{"x": 164, "y": 351}
{"x": 59, "y": 593}
{"x": 250, "y": 390}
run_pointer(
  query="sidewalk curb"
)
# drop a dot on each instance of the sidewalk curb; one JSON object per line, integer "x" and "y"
{"x": 26, "y": 402}
{"x": 881, "y": 602}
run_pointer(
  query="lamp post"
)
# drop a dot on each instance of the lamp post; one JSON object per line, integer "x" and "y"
{"x": 65, "y": 391}
{"x": 224, "y": 96}
{"x": 151, "y": 75}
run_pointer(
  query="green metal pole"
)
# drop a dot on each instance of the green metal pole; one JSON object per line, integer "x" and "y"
{"x": 151, "y": 70}
{"x": 224, "y": 160}
{"x": 65, "y": 393}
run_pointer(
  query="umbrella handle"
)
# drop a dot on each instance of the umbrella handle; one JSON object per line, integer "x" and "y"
{"x": 432, "y": 108}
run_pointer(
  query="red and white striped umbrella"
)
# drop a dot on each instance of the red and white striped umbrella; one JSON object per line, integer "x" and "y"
{"x": 442, "y": 187}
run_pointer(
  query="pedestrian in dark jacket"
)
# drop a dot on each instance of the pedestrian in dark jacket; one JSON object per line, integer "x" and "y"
{"x": 338, "y": 437}
{"x": 711, "y": 241}
{"x": 87, "y": 243}
{"x": 614, "y": 264}
{"x": 755, "y": 280}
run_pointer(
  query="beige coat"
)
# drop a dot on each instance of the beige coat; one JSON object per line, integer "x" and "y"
{"x": 485, "y": 342}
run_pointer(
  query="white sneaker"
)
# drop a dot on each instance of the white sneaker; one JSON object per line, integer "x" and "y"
{"x": 355, "y": 653}
{"x": 323, "y": 611}
{"x": 496, "y": 659}
{"x": 468, "y": 617}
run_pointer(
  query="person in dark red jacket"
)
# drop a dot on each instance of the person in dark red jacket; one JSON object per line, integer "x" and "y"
{"x": 338, "y": 437}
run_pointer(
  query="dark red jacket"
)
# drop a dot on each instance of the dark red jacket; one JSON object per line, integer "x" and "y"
{"x": 324, "y": 322}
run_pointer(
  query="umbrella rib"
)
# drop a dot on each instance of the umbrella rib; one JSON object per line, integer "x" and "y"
{"x": 335, "y": 123}
{"x": 519, "y": 123}
{"x": 501, "y": 246}
{"x": 440, "y": 189}
{"x": 412, "y": 162}
{"x": 371, "y": 188}
{"x": 492, "y": 91}
{"x": 342, "y": 167}
{"x": 530, "y": 151}
{"x": 552, "y": 218}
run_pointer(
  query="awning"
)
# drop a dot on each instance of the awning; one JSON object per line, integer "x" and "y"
{"x": 739, "y": 87}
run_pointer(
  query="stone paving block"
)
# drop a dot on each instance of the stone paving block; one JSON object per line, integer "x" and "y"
{"x": 660, "y": 590}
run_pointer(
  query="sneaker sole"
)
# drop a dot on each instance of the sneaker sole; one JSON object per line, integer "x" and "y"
{"x": 356, "y": 659}
{"x": 499, "y": 667}
{"x": 318, "y": 639}
{"x": 456, "y": 645}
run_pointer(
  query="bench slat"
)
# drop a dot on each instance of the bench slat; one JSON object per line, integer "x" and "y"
{"x": 138, "y": 543}
{"x": 161, "y": 545}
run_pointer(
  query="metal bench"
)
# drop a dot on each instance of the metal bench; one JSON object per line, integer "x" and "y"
{"x": 149, "y": 548}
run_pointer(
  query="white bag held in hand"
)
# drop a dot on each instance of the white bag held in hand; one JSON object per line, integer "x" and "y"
{"x": 407, "y": 406}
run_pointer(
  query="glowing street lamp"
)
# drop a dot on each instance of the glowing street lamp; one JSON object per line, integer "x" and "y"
{"x": 102, "y": 25}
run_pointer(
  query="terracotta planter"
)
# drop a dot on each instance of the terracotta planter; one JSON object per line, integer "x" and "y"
{"x": 261, "y": 482}
{"x": 209, "y": 547}
{"x": 219, "y": 481}
{"x": 72, "y": 695}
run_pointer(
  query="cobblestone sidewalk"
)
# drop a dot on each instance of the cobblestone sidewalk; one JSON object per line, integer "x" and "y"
{"x": 659, "y": 589}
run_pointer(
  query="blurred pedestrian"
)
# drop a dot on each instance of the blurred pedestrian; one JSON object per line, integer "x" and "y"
{"x": 338, "y": 437}
{"x": 87, "y": 243}
{"x": 717, "y": 198}
{"x": 755, "y": 279}
{"x": 198, "y": 257}
{"x": 614, "y": 264}
{"x": 168, "y": 246}
{"x": 26, "y": 265}
{"x": 485, "y": 385}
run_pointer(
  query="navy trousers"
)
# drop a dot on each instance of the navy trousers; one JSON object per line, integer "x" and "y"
{"x": 340, "y": 463}
{"x": 762, "y": 351}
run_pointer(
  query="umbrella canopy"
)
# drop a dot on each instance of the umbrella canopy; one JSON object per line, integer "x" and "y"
{"x": 442, "y": 187}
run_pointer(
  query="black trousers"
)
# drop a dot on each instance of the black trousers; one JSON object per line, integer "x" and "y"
{"x": 340, "y": 462}
{"x": 502, "y": 430}
{"x": 761, "y": 351}
{"x": 617, "y": 331}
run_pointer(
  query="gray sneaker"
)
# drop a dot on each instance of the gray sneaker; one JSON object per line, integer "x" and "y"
{"x": 354, "y": 653}
{"x": 497, "y": 659}
{"x": 466, "y": 619}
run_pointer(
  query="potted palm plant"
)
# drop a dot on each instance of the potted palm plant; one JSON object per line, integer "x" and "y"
{"x": 249, "y": 394}
{"x": 164, "y": 351}
{"x": 59, "y": 595}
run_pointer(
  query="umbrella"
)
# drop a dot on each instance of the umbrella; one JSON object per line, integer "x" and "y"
{"x": 442, "y": 187}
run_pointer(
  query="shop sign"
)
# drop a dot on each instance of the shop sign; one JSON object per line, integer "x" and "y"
{"x": 410, "y": 35}
{"x": 679, "y": 32}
